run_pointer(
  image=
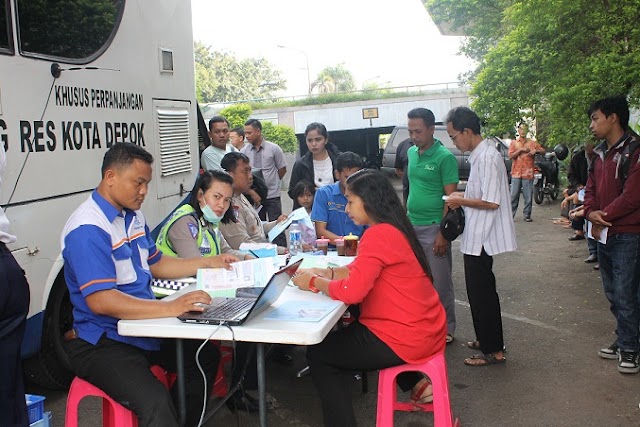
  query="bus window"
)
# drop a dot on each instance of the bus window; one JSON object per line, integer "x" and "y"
{"x": 76, "y": 31}
{"x": 5, "y": 29}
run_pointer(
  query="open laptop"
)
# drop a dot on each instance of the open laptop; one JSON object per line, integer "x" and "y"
{"x": 236, "y": 311}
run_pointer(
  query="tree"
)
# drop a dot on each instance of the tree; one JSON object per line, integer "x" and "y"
{"x": 334, "y": 79}
{"x": 221, "y": 77}
{"x": 547, "y": 59}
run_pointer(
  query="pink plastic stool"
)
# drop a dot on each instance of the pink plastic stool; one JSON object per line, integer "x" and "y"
{"x": 113, "y": 413}
{"x": 436, "y": 369}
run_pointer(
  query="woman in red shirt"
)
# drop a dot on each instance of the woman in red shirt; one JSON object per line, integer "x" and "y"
{"x": 401, "y": 317}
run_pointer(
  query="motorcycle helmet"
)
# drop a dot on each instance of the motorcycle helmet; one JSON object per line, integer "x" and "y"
{"x": 561, "y": 151}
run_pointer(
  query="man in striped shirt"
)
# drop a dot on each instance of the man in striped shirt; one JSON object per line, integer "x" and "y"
{"x": 488, "y": 231}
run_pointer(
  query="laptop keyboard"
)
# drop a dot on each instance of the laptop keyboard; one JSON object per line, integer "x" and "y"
{"x": 229, "y": 308}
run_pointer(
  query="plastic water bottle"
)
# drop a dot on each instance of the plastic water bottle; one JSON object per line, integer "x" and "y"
{"x": 295, "y": 238}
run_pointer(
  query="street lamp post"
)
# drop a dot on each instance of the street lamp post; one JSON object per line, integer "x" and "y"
{"x": 306, "y": 59}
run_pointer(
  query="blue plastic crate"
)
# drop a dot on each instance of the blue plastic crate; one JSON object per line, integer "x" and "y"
{"x": 46, "y": 421}
{"x": 35, "y": 407}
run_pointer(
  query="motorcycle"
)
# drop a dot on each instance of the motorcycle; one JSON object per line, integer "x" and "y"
{"x": 546, "y": 180}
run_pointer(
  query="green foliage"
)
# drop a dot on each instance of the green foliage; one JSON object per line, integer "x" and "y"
{"x": 282, "y": 135}
{"x": 221, "y": 77}
{"x": 334, "y": 79}
{"x": 329, "y": 98}
{"x": 237, "y": 114}
{"x": 548, "y": 60}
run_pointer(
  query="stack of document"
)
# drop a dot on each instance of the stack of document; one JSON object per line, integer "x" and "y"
{"x": 219, "y": 282}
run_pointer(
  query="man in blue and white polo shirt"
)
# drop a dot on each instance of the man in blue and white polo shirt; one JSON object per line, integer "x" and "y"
{"x": 109, "y": 259}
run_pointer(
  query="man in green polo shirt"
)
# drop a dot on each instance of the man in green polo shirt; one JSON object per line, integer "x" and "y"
{"x": 433, "y": 173}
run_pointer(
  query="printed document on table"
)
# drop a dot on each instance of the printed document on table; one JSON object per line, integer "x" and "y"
{"x": 303, "y": 311}
{"x": 603, "y": 233}
{"x": 219, "y": 282}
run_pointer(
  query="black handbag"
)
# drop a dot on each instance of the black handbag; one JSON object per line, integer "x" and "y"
{"x": 452, "y": 224}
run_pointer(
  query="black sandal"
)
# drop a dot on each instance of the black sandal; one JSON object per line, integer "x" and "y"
{"x": 487, "y": 359}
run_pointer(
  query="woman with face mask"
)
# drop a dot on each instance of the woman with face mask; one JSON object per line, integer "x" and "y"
{"x": 192, "y": 230}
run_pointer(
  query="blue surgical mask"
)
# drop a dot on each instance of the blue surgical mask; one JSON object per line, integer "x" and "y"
{"x": 210, "y": 215}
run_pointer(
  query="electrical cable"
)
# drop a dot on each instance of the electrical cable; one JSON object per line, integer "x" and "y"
{"x": 204, "y": 376}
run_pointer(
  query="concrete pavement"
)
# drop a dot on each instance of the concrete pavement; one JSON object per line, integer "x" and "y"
{"x": 555, "y": 318}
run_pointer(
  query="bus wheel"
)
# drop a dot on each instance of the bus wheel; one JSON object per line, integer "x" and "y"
{"x": 50, "y": 367}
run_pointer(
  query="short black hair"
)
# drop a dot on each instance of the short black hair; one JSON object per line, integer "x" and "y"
{"x": 462, "y": 118}
{"x": 348, "y": 160}
{"x": 423, "y": 113}
{"x": 217, "y": 119}
{"x": 230, "y": 160}
{"x": 204, "y": 182}
{"x": 254, "y": 123}
{"x": 239, "y": 130}
{"x": 617, "y": 105}
{"x": 123, "y": 154}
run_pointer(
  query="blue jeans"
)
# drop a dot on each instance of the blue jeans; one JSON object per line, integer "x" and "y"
{"x": 620, "y": 269}
{"x": 527, "y": 193}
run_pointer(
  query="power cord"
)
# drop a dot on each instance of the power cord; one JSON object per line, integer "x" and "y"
{"x": 204, "y": 376}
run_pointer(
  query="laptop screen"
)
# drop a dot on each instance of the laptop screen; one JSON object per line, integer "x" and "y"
{"x": 274, "y": 288}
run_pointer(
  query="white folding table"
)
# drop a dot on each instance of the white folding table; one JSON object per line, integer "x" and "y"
{"x": 257, "y": 330}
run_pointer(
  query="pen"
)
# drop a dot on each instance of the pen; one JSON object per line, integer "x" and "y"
{"x": 253, "y": 253}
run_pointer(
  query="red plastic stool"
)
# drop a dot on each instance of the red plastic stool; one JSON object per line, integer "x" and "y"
{"x": 220, "y": 385}
{"x": 113, "y": 413}
{"x": 436, "y": 369}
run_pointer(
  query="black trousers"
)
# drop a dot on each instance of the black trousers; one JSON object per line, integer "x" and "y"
{"x": 245, "y": 354}
{"x": 333, "y": 362}
{"x": 14, "y": 307}
{"x": 271, "y": 210}
{"x": 484, "y": 301}
{"x": 123, "y": 372}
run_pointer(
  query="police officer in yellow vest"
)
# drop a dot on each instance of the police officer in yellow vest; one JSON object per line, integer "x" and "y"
{"x": 191, "y": 231}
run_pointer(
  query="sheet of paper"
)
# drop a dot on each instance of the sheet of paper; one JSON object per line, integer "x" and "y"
{"x": 303, "y": 311}
{"x": 603, "y": 233}
{"x": 219, "y": 282}
{"x": 299, "y": 214}
{"x": 323, "y": 261}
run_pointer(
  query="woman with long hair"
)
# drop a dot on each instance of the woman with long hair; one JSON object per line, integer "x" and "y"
{"x": 317, "y": 165}
{"x": 401, "y": 317}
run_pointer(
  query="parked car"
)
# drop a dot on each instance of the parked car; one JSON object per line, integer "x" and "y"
{"x": 401, "y": 133}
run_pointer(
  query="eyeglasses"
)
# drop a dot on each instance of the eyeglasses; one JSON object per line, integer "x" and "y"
{"x": 453, "y": 138}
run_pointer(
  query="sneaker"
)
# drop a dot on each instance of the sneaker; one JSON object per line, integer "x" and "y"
{"x": 592, "y": 258}
{"x": 628, "y": 362}
{"x": 610, "y": 352}
{"x": 527, "y": 219}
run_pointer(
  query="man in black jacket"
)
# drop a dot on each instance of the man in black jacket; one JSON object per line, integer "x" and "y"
{"x": 577, "y": 174}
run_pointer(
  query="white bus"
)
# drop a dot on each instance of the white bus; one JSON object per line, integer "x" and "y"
{"x": 76, "y": 77}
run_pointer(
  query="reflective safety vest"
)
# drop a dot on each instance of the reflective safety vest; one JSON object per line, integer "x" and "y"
{"x": 208, "y": 243}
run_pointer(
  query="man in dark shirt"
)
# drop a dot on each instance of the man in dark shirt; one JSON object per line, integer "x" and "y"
{"x": 578, "y": 170}
{"x": 401, "y": 166}
{"x": 577, "y": 175}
